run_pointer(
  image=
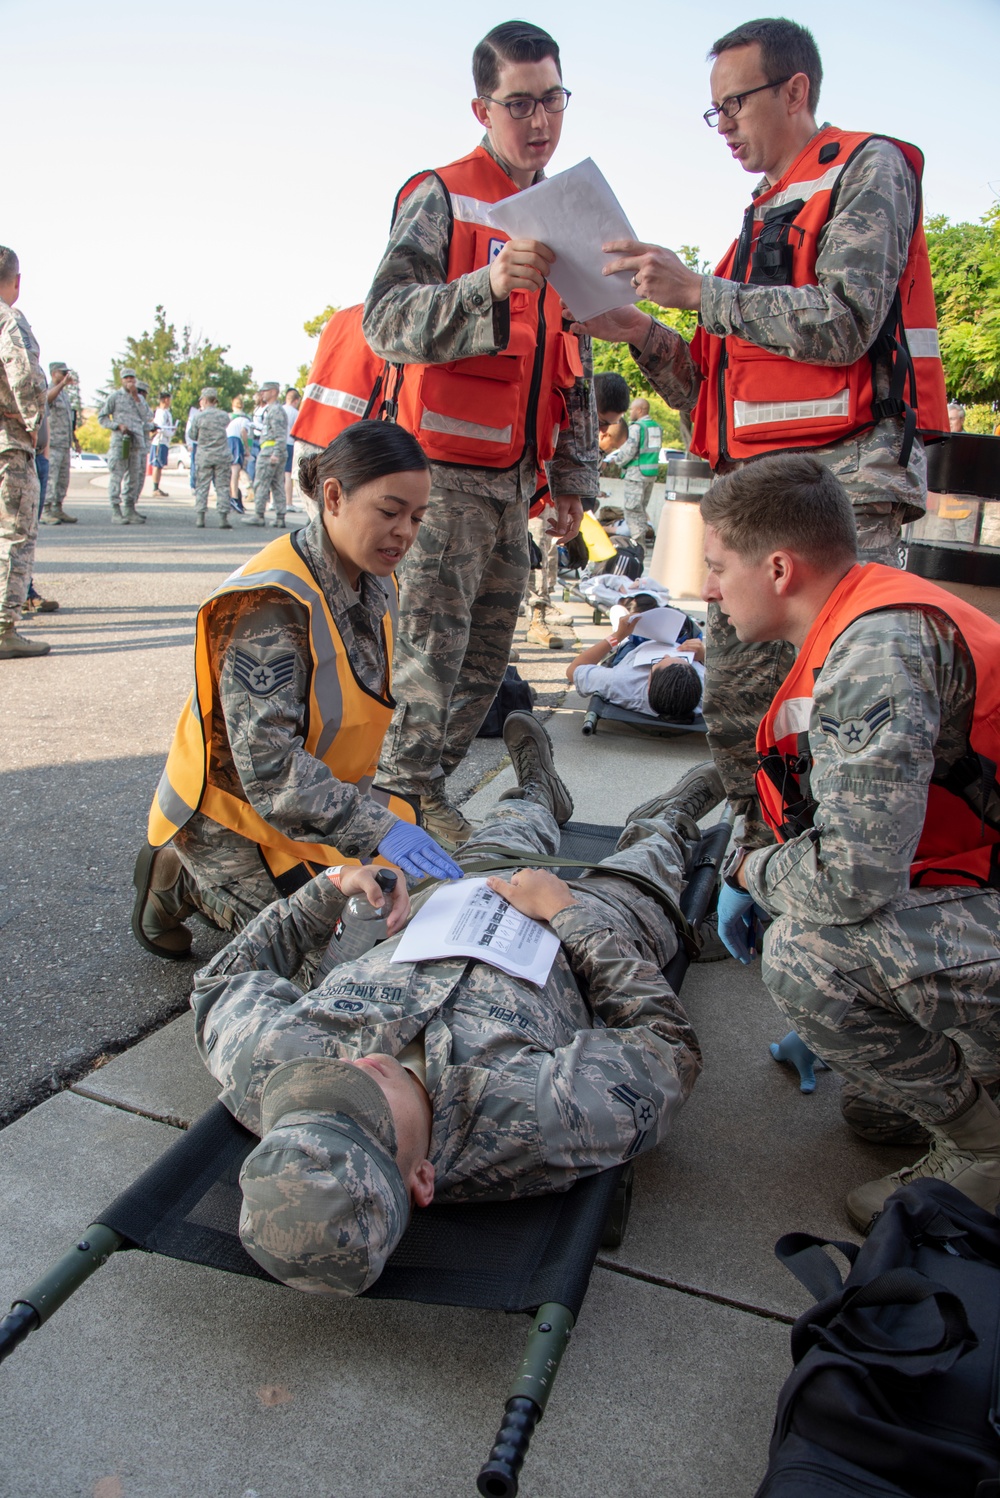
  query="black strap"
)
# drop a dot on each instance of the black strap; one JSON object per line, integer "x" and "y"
{"x": 802, "y": 1254}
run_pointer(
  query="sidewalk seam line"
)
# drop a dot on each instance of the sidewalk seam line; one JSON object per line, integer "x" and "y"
{"x": 694, "y": 1291}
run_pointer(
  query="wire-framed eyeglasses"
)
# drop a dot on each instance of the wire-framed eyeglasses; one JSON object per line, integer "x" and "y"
{"x": 524, "y": 106}
{"x": 731, "y": 107}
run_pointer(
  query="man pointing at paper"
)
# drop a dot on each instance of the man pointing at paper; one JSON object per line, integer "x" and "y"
{"x": 497, "y": 390}
{"x": 817, "y": 331}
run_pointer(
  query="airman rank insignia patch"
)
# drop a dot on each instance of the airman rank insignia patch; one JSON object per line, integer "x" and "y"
{"x": 263, "y": 677}
{"x": 643, "y": 1113}
{"x": 852, "y": 734}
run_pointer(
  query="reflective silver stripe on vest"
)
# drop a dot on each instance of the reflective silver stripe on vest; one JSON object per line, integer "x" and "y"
{"x": 436, "y": 421}
{"x": 798, "y": 190}
{"x": 792, "y": 717}
{"x": 923, "y": 343}
{"x": 340, "y": 398}
{"x": 472, "y": 211}
{"x": 173, "y": 807}
{"x": 756, "y": 413}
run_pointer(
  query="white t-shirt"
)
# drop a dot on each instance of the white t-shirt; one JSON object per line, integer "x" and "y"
{"x": 292, "y": 413}
{"x": 239, "y": 426}
{"x": 166, "y": 426}
{"x": 627, "y": 684}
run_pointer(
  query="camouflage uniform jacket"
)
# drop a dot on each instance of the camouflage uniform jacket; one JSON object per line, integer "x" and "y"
{"x": 531, "y": 1088}
{"x": 415, "y": 315}
{"x": 862, "y": 254}
{"x": 629, "y": 450}
{"x": 61, "y": 423}
{"x": 274, "y": 429}
{"x": 208, "y": 428}
{"x": 131, "y": 411}
{"x": 873, "y": 798}
{"x": 260, "y": 755}
{"x": 22, "y": 384}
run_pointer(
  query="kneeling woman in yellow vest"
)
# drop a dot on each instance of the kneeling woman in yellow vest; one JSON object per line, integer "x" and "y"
{"x": 269, "y": 778}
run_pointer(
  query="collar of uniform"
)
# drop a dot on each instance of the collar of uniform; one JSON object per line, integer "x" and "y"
{"x": 487, "y": 146}
{"x": 764, "y": 186}
{"x": 328, "y": 568}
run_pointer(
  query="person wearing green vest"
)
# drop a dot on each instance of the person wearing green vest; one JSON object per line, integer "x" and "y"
{"x": 639, "y": 459}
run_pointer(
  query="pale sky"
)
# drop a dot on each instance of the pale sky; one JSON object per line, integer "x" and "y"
{"x": 239, "y": 163}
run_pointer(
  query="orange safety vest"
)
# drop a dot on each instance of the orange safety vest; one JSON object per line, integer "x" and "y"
{"x": 347, "y": 382}
{"x": 345, "y": 724}
{"x": 753, "y": 401}
{"x": 958, "y": 845}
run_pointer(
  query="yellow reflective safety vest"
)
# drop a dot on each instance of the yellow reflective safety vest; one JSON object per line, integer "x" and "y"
{"x": 346, "y": 724}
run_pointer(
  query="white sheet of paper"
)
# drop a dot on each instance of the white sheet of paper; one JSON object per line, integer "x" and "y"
{"x": 574, "y": 213}
{"x": 661, "y": 624}
{"x": 466, "y": 919}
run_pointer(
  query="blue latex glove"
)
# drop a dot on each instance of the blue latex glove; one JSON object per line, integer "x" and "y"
{"x": 737, "y": 917}
{"x": 806, "y": 1062}
{"x": 417, "y": 854}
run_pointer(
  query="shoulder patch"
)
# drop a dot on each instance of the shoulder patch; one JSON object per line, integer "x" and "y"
{"x": 852, "y": 734}
{"x": 644, "y": 1114}
{"x": 263, "y": 677}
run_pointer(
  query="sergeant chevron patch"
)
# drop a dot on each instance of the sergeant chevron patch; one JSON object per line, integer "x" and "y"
{"x": 263, "y": 677}
{"x": 852, "y": 734}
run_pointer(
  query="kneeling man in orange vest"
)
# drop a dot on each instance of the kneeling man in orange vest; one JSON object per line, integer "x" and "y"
{"x": 876, "y": 775}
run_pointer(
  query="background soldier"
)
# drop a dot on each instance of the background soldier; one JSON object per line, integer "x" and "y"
{"x": 209, "y": 429}
{"x": 62, "y": 437}
{"x": 129, "y": 420}
{"x": 22, "y": 409}
{"x": 639, "y": 457}
{"x": 269, "y": 475}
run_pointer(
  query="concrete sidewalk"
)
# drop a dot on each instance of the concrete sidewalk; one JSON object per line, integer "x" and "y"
{"x": 161, "y": 1379}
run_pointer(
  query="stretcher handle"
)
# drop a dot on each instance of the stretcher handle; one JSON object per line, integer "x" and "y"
{"x": 37, "y": 1304}
{"x": 529, "y": 1395}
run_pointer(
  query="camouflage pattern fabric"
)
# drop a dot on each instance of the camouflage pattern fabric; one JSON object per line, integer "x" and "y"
{"x": 459, "y": 589}
{"x": 269, "y": 476}
{"x": 543, "y": 581}
{"x": 125, "y": 473}
{"x": 22, "y": 384}
{"x": 638, "y": 493}
{"x": 897, "y": 988}
{"x": 208, "y": 428}
{"x": 19, "y": 496}
{"x": 216, "y": 471}
{"x": 131, "y": 411}
{"x": 59, "y": 473}
{"x": 531, "y": 1088}
{"x": 260, "y": 755}
{"x": 60, "y": 424}
{"x": 415, "y": 315}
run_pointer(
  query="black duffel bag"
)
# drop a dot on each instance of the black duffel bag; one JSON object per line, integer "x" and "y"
{"x": 895, "y": 1388}
{"x": 514, "y": 695}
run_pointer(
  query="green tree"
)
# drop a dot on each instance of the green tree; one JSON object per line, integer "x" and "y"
{"x": 617, "y": 358}
{"x": 181, "y": 367}
{"x": 313, "y": 326}
{"x": 965, "y": 265}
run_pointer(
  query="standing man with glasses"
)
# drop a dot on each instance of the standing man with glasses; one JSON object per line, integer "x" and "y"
{"x": 497, "y": 389}
{"x": 817, "y": 331}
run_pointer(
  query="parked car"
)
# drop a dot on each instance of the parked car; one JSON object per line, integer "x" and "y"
{"x": 88, "y": 462}
{"x": 179, "y": 456}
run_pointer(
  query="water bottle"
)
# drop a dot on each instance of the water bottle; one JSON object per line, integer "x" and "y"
{"x": 359, "y": 928}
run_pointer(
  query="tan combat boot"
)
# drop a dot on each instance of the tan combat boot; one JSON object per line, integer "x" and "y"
{"x": 443, "y": 821}
{"x": 531, "y": 754}
{"x": 539, "y": 632}
{"x": 965, "y": 1153}
{"x": 161, "y": 903}
{"x": 14, "y": 647}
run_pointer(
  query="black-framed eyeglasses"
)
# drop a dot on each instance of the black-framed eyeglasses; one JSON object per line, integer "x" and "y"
{"x": 731, "y": 107}
{"x": 523, "y": 107}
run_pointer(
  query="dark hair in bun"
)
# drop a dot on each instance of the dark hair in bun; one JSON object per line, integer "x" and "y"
{"x": 365, "y": 451}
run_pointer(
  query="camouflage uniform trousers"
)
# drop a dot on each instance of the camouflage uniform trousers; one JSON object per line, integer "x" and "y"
{"x": 59, "y": 471}
{"x": 125, "y": 474}
{"x": 459, "y": 590}
{"x": 228, "y": 885}
{"x": 302, "y": 450}
{"x": 655, "y": 850}
{"x": 741, "y": 679}
{"x": 904, "y": 1005}
{"x": 543, "y": 581}
{"x": 213, "y": 471}
{"x": 638, "y": 493}
{"x": 19, "y": 494}
{"x": 269, "y": 483}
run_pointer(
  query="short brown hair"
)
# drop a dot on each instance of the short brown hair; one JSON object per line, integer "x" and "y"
{"x": 787, "y": 501}
{"x": 786, "y": 48}
{"x": 511, "y": 41}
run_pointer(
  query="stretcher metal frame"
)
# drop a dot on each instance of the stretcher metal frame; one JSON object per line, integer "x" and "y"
{"x": 665, "y": 728}
{"x": 596, "y": 1210}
